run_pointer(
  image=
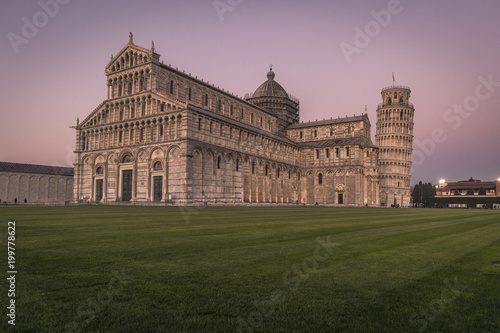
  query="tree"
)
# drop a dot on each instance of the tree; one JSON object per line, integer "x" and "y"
{"x": 423, "y": 193}
{"x": 470, "y": 192}
{"x": 482, "y": 191}
{"x": 417, "y": 193}
{"x": 429, "y": 192}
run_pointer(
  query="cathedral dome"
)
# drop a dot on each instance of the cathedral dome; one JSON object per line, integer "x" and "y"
{"x": 270, "y": 88}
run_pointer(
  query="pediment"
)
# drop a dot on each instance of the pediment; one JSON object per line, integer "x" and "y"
{"x": 131, "y": 55}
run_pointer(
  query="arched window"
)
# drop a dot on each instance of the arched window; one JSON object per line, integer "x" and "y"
{"x": 401, "y": 100}
{"x": 99, "y": 171}
{"x": 389, "y": 101}
{"x": 189, "y": 94}
{"x": 267, "y": 170}
{"x": 127, "y": 158}
{"x": 320, "y": 179}
{"x": 237, "y": 164}
{"x": 171, "y": 86}
{"x": 218, "y": 162}
{"x": 253, "y": 167}
{"x": 132, "y": 111}
{"x": 206, "y": 99}
{"x": 278, "y": 173}
{"x": 301, "y": 134}
{"x": 158, "y": 166}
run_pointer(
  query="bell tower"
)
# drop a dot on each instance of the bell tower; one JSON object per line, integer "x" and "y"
{"x": 394, "y": 138}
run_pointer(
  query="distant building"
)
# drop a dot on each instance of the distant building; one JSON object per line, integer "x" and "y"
{"x": 469, "y": 187}
{"x": 469, "y": 193}
{"x": 38, "y": 184}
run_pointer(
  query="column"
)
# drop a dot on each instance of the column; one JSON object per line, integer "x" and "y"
{"x": 148, "y": 180}
{"x": 165, "y": 181}
{"x": 105, "y": 183}
{"x": 92, "y": 184}
{"x": 134, "y": 181}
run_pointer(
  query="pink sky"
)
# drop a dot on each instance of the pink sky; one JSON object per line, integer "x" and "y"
{"x": 443, "y": 50}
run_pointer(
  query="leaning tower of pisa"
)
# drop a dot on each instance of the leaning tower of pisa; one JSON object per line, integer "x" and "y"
{"x": 395, "y": 138}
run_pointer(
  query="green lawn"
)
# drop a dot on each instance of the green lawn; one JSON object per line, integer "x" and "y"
{"x": 253, "y": 269}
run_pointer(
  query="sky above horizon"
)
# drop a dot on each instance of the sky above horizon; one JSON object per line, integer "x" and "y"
{"x": 335, "y": 56}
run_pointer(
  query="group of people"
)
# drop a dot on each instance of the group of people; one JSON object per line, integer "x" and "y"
{"x": 15, "y": 201}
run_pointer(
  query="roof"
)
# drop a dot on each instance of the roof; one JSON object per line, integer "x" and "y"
{"x": 270, "y": 88}
{"x": 338, "y": 142}
{"x": 470, "y": 185}
{"x": 328, "y": 122}
{"x": 242, "y": 125}
{"x": 35, "y": 168}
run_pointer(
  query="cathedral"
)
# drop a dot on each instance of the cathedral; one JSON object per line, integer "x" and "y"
{"x": 165, "y": 136}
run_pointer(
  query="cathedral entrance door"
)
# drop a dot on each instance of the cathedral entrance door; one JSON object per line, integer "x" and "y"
{"x": 98, "y": 190}
{"x": 157, "y": 188}
{"x": 341, "y": 199}
{"x": 126, "y": 185}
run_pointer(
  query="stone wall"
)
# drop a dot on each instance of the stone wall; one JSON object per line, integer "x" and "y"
{"x": 35, "y": 188}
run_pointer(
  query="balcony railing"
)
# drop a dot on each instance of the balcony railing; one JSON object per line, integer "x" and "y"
{"x": 404, "y": 105}
{"x": 398, "y": 87}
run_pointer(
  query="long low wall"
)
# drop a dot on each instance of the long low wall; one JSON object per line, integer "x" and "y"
{"x": 35, "y": 188}
{"x": 470, "y": 201}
